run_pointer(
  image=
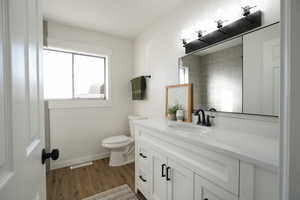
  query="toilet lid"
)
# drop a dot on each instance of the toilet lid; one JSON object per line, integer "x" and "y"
{"x": 116, "y": 139}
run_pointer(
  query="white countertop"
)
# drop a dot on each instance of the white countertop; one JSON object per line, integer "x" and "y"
{"x": 259, "y": 150}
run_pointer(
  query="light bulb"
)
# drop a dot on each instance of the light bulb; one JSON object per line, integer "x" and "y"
{"x": 220, "y": 18}
{"x": 233, "y": 14}
{"x": 184, "y": 35}
{"x": 188, "y": 35}
{"x": 220, "y": 14}
{"x": 249, "y": 6}
{"x": 250, "y": 3}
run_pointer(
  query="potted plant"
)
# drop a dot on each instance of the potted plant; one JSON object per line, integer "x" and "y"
{"x": 172, "y": 112}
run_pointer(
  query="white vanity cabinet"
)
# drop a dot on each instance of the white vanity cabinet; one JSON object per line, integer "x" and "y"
{"x": 166, "y": 179}
{"x": 180, "y": 181}
{"x": 205, "y": 190}
{"x": 159, "y": 187}
{"x": 168, "y": 168}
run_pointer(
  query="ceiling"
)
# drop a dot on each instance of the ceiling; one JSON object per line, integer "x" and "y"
{"x": 126, "y": 18}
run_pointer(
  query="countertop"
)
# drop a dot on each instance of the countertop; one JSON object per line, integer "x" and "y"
{"x": 261, "y": 151}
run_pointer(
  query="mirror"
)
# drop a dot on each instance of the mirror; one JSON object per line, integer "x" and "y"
{"x": 181, "y": 95}
{"x": 241, "y": 75}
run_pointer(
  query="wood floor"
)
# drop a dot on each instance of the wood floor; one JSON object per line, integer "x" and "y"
{"x": 67, "y": 184}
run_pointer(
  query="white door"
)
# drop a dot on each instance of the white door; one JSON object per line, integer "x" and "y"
{"x": 22, "y": 176}
{"x": 206, "y": 190}
{"x": 159, "y": 181}
{"x": 180, "y": 182}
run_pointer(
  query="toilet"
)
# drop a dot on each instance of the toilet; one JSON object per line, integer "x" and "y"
{"x": 121, "y": 147}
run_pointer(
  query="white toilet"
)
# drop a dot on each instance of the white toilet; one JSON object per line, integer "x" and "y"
{"x": 122, "y": 146}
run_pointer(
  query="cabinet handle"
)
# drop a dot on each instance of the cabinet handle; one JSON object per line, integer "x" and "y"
{"x": 168, "y": 173}
{"x": 163, "y": 170}
{"x": 142, "y": 155}
{"x": 144, "y": 180}
{"x": 205, "y": 199}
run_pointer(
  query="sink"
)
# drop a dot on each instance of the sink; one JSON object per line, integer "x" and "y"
{"x": 187, "y": 127}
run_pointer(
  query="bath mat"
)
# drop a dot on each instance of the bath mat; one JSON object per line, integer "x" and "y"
{"x": 122, "y": 192}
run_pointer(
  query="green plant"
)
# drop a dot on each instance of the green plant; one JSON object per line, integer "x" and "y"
{"x": 172, "y": 110}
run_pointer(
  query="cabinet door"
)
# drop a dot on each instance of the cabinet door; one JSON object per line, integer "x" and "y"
{"x": 206, "y": 190}
{"x": 159, "y": 183}
{"x": 180, "y": 182}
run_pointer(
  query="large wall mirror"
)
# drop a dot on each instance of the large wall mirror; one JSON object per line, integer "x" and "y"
{"x": 241, "y": 75}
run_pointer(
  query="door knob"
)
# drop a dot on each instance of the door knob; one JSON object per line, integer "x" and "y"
{"x": 54, "y": 155}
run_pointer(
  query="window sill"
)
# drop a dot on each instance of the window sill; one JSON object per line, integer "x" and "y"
{"x": 78, "y": 103}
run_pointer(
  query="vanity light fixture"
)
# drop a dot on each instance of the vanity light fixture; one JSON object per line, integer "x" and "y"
{"x": 220, "y": 23}
{"x": 200, "y": 33}
{"x": 203, "y": 28}
{"x": 220, "y": 18}
{"x": 246, "y": 10}
{"x": 227, "y": 27}
{"x": 247, "y": 5}
{"x": 184, "y": 36}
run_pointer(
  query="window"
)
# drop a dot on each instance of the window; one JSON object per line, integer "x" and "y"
{"x": 183, "y": 75}
{"x": 74, "y": 76}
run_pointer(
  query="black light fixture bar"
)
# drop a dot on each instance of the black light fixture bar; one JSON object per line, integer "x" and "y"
{"x": 240, "y": 26}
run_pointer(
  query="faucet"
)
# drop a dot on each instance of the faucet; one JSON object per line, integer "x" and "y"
{"x": 203, "y": 122}
{"x": 210, "y": 116}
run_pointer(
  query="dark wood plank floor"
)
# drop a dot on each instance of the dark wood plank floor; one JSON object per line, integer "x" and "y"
{"x": 67, "y": 184}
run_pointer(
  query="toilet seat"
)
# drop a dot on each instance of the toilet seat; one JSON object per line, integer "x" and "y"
{"x": 117, "y": 141}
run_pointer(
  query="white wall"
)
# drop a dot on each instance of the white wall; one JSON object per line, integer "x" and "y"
{"x": 157, "y": 51}
{"x": 78, "y": 132}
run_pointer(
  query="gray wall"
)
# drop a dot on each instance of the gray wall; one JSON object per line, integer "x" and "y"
{"x": 217, "y": 79}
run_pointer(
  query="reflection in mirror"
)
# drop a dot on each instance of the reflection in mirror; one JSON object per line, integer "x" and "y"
{"x": 241, "y": 75}
{"x": 217, "y": 76}
{"x": 262, "y": 71}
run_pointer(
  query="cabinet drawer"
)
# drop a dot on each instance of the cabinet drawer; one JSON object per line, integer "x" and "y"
{"x": 205, "y": 190}
{"x": 143, "y": 154}
{"x": 143, "y": 182}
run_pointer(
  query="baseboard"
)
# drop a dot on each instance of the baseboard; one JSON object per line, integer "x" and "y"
{"x": 67, "y": 163}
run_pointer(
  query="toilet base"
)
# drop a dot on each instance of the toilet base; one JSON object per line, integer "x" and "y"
{"x": 119, "y": 158}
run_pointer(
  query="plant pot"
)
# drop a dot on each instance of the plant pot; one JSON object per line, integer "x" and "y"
{"x": 172, "y": 117}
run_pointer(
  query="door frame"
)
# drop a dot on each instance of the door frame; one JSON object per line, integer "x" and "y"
{"x": 290, "y": 98}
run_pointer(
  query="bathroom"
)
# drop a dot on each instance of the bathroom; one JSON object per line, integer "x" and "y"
{"x": 155, "y": 100}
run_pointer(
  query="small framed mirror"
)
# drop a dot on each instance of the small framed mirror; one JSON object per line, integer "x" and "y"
{"x": 179, "y": 97}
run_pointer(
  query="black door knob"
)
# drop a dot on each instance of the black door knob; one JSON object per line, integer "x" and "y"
{"x": 54, "y": 155}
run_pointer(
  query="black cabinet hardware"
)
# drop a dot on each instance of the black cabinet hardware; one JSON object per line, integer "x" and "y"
{"x": 163, "y": 174}
{"x": 168, "y": 174}
{"x": 144, "y": 180}
{"x": 54, "y": 155}
{"x": 206, "y": 199}
{"x": 142, "y": 155}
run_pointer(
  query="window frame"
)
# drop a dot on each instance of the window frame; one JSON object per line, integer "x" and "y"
{"x": 186, "y": 74}
{"x": 106, "y": 76}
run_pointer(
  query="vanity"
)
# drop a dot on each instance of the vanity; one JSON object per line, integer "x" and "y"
{"x": 185, "y": 162}
{"x": 239, "y": 76}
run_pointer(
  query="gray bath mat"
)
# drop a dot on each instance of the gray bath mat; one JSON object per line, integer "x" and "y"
{"x": 122, "y": 192}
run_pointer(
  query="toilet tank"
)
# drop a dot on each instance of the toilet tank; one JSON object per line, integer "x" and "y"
{"x": 131, "y": 119}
